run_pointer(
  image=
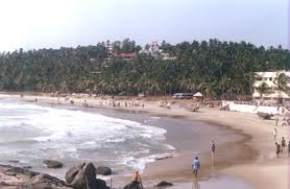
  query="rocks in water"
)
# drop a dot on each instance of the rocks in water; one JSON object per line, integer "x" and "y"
{"x": 15, "y": 171}
{"x": 84, "y": 176}
{"x": 17, "y": 177}
{"x": 103, "y": 171}
{"x": 164, "y": 184}
{"x": 53, "y": 164}
{"x": 14, "y": 161}
{"x": 134, "y": 185}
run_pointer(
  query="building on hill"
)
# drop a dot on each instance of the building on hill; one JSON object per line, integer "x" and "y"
{"x": 272, "y": 85}
{"x": 154, "y": 50}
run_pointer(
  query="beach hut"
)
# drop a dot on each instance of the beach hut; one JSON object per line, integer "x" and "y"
{"x": 198, "y": 96}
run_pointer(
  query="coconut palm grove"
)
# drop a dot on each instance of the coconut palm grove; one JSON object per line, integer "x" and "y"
{"x": 214, "y": 67}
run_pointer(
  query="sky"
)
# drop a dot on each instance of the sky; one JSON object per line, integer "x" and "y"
{"x": 34, "y": 24}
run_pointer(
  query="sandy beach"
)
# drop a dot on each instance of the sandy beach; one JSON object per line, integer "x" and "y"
{"x": 251, "y": 158}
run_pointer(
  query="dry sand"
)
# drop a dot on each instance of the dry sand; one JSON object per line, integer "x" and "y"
{"x": 262, "y": 169}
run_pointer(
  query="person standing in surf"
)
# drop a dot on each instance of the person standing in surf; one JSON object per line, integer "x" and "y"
{"x": 195, "y": 166}
{"x": 212, "y": 148}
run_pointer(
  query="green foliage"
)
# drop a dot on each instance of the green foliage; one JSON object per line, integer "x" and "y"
{"x": 282, "y": 82}
{"x": 213, "y": 67}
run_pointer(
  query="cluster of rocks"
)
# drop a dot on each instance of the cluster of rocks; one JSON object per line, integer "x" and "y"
{"x": 82, "y": 176}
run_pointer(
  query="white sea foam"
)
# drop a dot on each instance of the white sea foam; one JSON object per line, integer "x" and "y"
{"x": 71, "y": 134}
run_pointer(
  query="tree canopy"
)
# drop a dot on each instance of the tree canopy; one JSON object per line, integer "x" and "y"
{"x": 214, "y": 67}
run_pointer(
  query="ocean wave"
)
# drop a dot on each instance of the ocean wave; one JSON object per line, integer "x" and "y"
{"x": 54, "y": 132}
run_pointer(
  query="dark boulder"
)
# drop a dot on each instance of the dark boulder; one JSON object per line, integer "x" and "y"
{"x": 53, "y": 164}
{"x": 47, "y": 179}
{"x": 164, "y": 184}
{"x": 83, "y": 176}
{"x": 14, "y": 171}
{"x": 134, "y": 185}
{"x": 103, "y": 171}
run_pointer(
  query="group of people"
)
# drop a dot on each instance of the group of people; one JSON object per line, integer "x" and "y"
{"x": 137, "y": 181}
{"x": 283, "y": 146}
{"x": 121, "y": 104}
{"x": 280, "y": 148}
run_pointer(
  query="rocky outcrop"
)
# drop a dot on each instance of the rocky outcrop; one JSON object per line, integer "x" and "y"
{"x": 83, "y": 176}
{"x": 53, "y": 164}
{"x": 164, "y": 184}
{"x": 134, "y": 185}
{"x": 47, "y": 181}
{"x": 18, "y": 171}
{"x": 17, "y": 177}
{"x": 103, "y": 171}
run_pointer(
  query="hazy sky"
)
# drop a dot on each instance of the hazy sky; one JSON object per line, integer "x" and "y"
{"x": 54, "y": 23}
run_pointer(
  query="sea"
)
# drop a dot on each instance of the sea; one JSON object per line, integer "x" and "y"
{"x": 31, "y": 133}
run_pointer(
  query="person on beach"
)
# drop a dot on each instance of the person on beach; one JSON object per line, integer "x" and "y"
{"x": 137, "y": 179}
{"x": 288, "y": 148}
{"x": 275, "y": 133}
{"x": 283, "y": 144}
{"x": 212, "y": 149}
{"x": 278, "y": 149}
{"x": 195, "y": 166}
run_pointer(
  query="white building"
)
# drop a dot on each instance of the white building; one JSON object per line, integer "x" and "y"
{"x": 154, "y": 50}
{"x": 271, "y": 82}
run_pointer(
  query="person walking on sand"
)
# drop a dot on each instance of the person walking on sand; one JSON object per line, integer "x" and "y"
{"x": 195, "y": 166}
{"x": 278, "y": 149}
{"x": 283, "y": 144}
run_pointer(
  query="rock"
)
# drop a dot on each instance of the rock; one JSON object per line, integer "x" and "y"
{"x": 164, "y": 184}
{"x": 47, "y": 181}
{"x": 103, "y": 171}
{"x": 134, "y": 185}
{"x": 53, "y": 164}
{"x": 84, "y": 176}
{"x": 14, "y": 161}
{"x": 16, "y": 178}
{"x": 13, "y": 171}
{"x": 163, "y": 157}
{"x": 27, "y": 167}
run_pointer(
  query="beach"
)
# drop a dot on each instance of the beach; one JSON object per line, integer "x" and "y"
{"x": 248, "y": 153}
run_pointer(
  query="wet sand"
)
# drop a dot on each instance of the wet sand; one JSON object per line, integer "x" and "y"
{"x": 251, "y": 159}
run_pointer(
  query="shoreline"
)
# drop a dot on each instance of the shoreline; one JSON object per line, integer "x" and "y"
{"x": 257, "y": 132}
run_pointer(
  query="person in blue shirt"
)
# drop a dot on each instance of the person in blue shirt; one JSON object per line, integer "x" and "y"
{"x": 195, "y": 166}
